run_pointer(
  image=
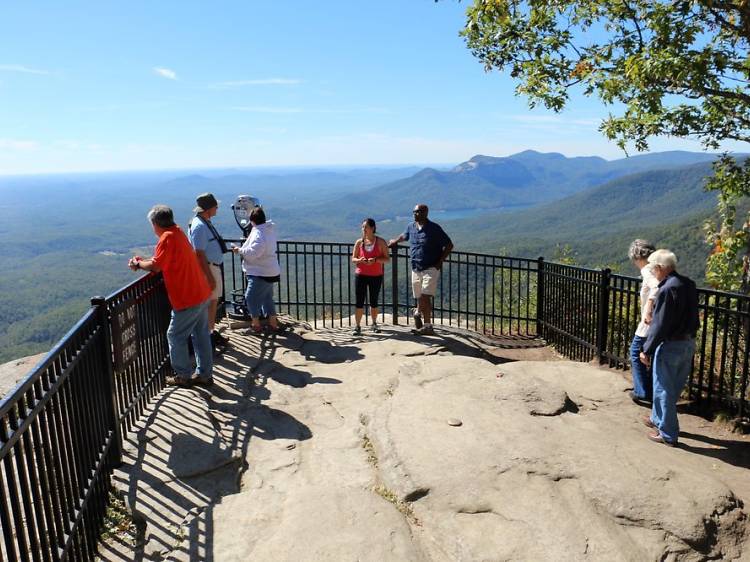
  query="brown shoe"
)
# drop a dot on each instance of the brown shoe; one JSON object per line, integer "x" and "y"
{"x": 647, "y": 422}
{"x": 656, "y": 437}
{"x": 177, "y": 380}
{"x": 201, "y": 381}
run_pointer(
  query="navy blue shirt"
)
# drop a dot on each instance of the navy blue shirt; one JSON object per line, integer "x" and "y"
{"x": 675, "y": 313}
{"x": 426, "y": 245}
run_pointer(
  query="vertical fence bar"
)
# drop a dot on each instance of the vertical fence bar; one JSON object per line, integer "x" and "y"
{"x": 100, "y": 305}
{"x": 601, "y": 330}
{"x": 394, "y": 283}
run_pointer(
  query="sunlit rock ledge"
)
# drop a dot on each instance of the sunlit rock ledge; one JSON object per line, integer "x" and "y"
{"x": 319, "y": 445}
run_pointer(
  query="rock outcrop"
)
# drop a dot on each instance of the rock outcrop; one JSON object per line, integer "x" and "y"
{"x": 320, "y": 446}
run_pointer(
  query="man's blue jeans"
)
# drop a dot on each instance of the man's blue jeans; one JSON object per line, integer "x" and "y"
{"x": 672, "y": 362}
{"x": 642, "y": 379}
{"x": 190, "y": 322}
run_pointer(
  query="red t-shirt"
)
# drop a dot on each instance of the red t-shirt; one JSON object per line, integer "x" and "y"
{"x": 183, "y": 276}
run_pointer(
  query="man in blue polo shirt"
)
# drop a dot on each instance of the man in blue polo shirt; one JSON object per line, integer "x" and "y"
{"x": 429, "y": 246}
{"x": 210, "y": 249}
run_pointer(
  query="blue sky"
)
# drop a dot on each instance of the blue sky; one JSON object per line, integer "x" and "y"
{"x": 93, "y": 86}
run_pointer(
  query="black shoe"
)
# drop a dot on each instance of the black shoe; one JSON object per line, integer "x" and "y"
{"x": 638, "y": 400}
{"x": 219, "y": 343}
{"x": 218, "y": 340}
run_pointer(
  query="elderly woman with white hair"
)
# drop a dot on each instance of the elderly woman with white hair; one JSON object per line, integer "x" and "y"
{"x": 638, "y": 253}
{"x": 670, "y": 344}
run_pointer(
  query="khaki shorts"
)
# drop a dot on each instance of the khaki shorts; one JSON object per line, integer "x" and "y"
{"x": 216, "y": 272}
{"x": 424, "y": 282}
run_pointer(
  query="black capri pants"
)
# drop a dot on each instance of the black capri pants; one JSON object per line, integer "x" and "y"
{"x": 365, "y": 283}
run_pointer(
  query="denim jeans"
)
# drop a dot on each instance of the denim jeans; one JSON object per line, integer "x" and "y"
{"x": 642, "y": 379}
{"x": 190, "y": 322}
{"x": 259, "y": 297}
{"x": 673, "y": 362}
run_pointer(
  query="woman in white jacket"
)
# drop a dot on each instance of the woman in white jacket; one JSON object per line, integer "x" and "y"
{"x": 261, "y": 266}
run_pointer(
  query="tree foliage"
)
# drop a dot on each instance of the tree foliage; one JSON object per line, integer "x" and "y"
{"x": 676, "y": 68}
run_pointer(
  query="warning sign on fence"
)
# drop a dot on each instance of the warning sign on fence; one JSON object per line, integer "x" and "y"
{"x": 125, "y": 335}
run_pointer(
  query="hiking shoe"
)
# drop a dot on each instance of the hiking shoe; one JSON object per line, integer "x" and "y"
{"x": 217, "y": 340}
{"x": 426, "y": 330}
{"x": 638, "y": 400}
{"x": 357, "y": 331}
{"x": 656, "y": 437}
{"x": 203, "y": 381}
{"x": 375, "y": 328}
{"x": 177, "y": 380}
{"x": 417, "y": 320}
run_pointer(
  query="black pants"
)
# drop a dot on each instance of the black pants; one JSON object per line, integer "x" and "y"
{"x": 364, "y": 283}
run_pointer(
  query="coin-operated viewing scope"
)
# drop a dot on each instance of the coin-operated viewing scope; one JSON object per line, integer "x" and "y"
{"x": 241, "y": 208}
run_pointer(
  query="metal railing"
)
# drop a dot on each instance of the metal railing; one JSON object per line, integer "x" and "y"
{"x": 592, "y": 315}
{"x": 485, "y": 293}
{"x": 62, "y": 427}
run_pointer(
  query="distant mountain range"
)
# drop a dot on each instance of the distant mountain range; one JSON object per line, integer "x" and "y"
{"x": 529, "y": 204}
{"x": 667, "y": 206}
{"x": 486, "y": 182}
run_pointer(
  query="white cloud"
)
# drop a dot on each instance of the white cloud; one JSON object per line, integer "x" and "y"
{"x": 14, "y": 144}
{"x": 22, "y": 69}
{"x": 268, "y": 109}
{"x": 262, "y": 109}
{"x": 75, "y": 145}
{"x": 165, "y": 73}
{"x": 258, "y": 82}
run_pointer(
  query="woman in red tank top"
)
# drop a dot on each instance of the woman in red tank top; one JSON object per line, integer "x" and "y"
{"x": 369, "y": 255}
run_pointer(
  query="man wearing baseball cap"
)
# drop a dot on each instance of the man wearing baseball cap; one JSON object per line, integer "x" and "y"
{"x": 210, "y": 249}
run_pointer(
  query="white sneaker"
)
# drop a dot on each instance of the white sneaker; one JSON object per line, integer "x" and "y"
{"x": 375, "y": 328}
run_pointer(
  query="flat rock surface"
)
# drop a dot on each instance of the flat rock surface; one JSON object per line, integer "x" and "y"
{"x": 13, "y": 372}
{"x": 319, "y": 445}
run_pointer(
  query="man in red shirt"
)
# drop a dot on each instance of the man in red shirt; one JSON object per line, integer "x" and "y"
{"x": 188, "y": 293}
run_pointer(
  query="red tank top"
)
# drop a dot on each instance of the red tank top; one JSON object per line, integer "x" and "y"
{"x": 369, "y": 269}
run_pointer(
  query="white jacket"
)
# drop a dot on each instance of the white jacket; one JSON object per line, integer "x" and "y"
{"x": 259, "y": 252}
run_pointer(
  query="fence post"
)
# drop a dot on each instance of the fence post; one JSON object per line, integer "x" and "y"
{"x": 539, "y": 296}
{"x": 100, "y": 303}
{"x": 603, "y": 316}
{"x": 394, "y": 282}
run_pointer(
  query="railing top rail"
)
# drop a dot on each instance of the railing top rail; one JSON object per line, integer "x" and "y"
{"x": 572, "y": 267}
{"x": 9, "y": 400}
{"x": 626, "y": 277}
{"x": 123, "y": 290}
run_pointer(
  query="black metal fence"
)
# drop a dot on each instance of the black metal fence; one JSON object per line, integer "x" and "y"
{"x": 592, "y": 315}
{"x": 61, "y": 428}
{"x": 489, "y": 294}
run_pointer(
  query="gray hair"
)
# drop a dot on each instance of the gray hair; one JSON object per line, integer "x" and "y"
{"x": 663, "y": 258}
{"x": 161, "y": 216}
{"x": 640, "y": 250}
